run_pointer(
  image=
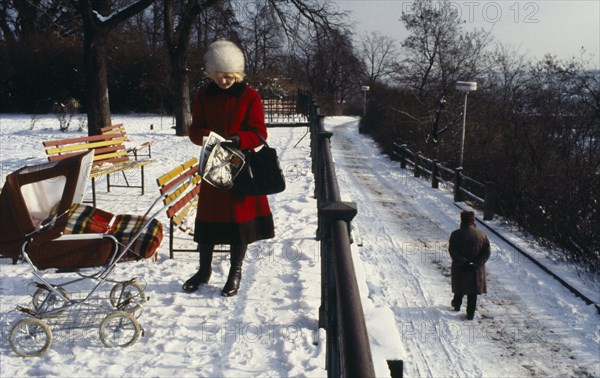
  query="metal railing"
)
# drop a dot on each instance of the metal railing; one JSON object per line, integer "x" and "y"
{"x": 464, "y": 187}
{"x": 283, "y": 110}
{"x": 348, "y": 352}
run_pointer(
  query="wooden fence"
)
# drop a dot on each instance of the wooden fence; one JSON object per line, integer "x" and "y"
{"x": 464, "y": 187}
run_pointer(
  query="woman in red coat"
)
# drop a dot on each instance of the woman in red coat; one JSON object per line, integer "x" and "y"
{"x": 233, "y": 110}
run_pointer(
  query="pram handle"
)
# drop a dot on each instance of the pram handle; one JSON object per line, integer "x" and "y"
{"x": 66, "y": 237}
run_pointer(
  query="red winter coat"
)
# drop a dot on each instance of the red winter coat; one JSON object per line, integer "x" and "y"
{"x": 222, "y": 217}
{"x": 468, "y": 244}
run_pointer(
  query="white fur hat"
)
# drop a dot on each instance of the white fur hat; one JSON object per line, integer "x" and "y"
{"x": 224, "y": 56}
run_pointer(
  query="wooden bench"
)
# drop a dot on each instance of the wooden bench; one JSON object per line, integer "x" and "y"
{"x": 183, "y": 178}
{"x": 135, "y": 150}
{"x": 110, "y": 156}
{"x": 180, "y": 187}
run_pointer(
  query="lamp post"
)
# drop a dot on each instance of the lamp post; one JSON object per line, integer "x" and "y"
{"x": 364, "y": 89}
{"x": 464, "y": 86}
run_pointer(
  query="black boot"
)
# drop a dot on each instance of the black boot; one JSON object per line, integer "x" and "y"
{"x": 238, "y": 252}
{"x": 471, "y": 305}
{"x": 233, "y": 282}
{"x": 203, "y": 274}
{"x": 456, "y": 302}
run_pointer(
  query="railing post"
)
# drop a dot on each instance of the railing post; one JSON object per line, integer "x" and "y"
{"x": 434, "y": 174}
{"x": 328, "y": 312}
{"x": 488, "y": 207}
{"x": 327, "y": 213}
{"x": 457, "y": 185}
{"x": 396, "y": 368}
{"x": 417, "y": 171}
{"x": 403, "y": 156}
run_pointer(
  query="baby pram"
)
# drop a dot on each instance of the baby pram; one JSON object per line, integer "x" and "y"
{"x": 45, "y": 224}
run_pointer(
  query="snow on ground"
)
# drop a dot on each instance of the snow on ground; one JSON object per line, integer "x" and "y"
{"x": 527, "y": 324}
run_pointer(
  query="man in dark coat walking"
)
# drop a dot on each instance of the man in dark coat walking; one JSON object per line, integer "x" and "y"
{"x": 469, "y": 249}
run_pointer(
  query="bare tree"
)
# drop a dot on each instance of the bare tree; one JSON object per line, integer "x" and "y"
{"x": 209, "y": 20}
{"x": 177, "y": 38}
{"x": 263, "y": 38}
{"x": 556, "y": 147}
{"x": 379, "y": 55}
{"x": 287, "y": 13}
{"x": 24, "y": 19}
{"x": 98, "y": 21}
{"x": 217, "y": 21}
{"x": 7, "y": 21}
{"x": 506, "y": 78}
{"x": 335, "y": 69}
{"x": 432, "y": 29}
{"x": 297, "y": 16}
{"x": 438, "y": 52}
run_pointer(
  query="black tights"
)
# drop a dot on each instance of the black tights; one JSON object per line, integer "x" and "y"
{"x": 237, "y": 253}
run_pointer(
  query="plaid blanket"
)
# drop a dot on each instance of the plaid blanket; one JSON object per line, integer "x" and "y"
{"x": 86, "y": 219}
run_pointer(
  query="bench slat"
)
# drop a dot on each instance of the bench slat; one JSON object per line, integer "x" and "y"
{"x": 102, "y": 170}
{"x": 120, "y": 130}
{"x": 192, "y": 171}
{"x": 162, "y": 180}
{"x": 82, "y": 139}
{"x": 181, "y": 189}
{"x": 171, "y": 211}
{"x": 180, "y": 217}
{"x": 109, "y": 129}
{"x": 84, "y": 146}
{"x": 98, "y": 159}
{"x": 58, "y": 142}
{"x": 111, "y": 156}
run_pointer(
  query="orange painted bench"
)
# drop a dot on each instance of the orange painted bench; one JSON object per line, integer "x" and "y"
{"x": 110, "y": 156}
{"x": 183, "y": 184}
{"x": 180, "y": 188}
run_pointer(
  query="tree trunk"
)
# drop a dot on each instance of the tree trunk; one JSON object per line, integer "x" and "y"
{"x": 95, "y": 49}
{"x": 181, "y": 93}
{"x": 177, "y": 39}
{"x": 96, "y": 77}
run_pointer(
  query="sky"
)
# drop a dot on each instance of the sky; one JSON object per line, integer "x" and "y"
{"x": 533, "y": 28}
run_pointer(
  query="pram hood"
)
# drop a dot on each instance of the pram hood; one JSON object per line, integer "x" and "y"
{"x": 38, "y": 194}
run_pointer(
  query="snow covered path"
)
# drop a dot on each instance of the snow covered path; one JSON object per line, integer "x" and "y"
{"x": 525, "y": 325}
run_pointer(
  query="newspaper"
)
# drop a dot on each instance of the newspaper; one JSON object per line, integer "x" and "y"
{"x": 219, "y": 165}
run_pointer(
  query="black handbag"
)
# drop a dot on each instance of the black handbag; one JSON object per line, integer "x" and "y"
{"x": 261, "y": 174}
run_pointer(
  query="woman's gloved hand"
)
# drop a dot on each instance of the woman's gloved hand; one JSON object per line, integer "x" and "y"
{"x": 233, "y": 141}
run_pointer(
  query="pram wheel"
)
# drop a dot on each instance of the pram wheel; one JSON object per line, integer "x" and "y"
{"x": 45, "y": 300}
{"x": 127, "y": 296}
{"x": 30, "y": 337}
{"x": 119, "y": 329}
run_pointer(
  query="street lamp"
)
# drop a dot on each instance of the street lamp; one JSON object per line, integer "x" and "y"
{"x": 364, "y": 89}
{"x": 464, "y": 86}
